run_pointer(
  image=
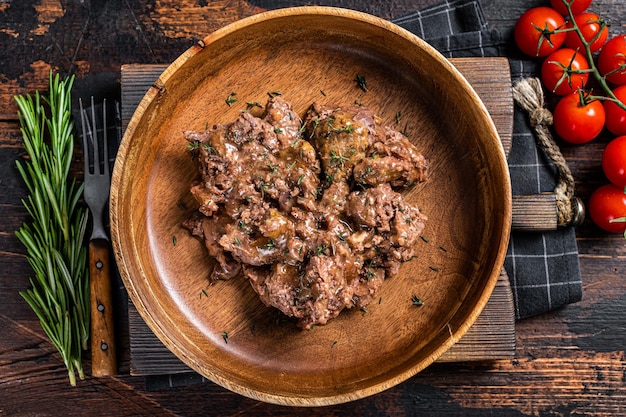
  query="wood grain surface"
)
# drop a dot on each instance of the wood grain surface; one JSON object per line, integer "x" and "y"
{"x": 491, "y": 337}
{"x": 103, "y": 343}
{"x": 568, "y": 362}
{"x": 356, "y": 355}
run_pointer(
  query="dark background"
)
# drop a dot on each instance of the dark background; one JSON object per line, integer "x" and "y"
{"x": 568, "y": 362}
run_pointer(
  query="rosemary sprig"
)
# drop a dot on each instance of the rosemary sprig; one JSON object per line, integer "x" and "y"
{"x": 59, "y": 293}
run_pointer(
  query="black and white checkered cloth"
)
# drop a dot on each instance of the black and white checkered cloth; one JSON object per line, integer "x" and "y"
{"x": 543, "y": 267}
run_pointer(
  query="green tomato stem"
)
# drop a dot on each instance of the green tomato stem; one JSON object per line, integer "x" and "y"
{"x": 592, "y": 66}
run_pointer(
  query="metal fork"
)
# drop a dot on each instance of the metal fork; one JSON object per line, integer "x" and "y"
{"x": 96, "y": 194}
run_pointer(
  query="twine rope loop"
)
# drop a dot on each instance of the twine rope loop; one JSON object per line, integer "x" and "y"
{"x": 528, "y": 94}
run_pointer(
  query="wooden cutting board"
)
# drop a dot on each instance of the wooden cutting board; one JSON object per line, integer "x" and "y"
{"x": 493, "y": 334}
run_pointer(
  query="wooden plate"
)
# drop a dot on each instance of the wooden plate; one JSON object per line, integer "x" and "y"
{"x": 312, "y": 54}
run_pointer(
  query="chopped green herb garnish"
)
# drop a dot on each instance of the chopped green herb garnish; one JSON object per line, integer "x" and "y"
{"x": 252, "y": 104}
{"x": 434, "y": 268}
{"x": 278, "y": 130}
{"x": 231, "y": 99}
{"x": 273, "y": 94}
{"x": 237, "y": 241}
{"x": 208, "y": 148}
{"x": 405, "y": 130}
{"x": 370, "y": 274}
{"x": 398, "y": 116}
{"x": 174, "y": 240}
{"x": 423, "y": 238}
{"x": 225, "y": 336}
{"x": 443, "y": 248}
{"x": 338, "y": 159}
{"x": 315, "y": 122}
{"x": 333, "y": 345}
{"x": 321, "y": 250}
{"x": 323, "y": 93}
{"x": 417, "y": 301}
{"x": 348, "y": 128}
{"x": 300, "y": 179}
{"x": 360, "y": 82}
{"x": 263, "y": 186}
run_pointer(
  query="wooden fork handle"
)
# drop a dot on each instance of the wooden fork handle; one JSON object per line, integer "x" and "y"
{"x": 103, "y": 352}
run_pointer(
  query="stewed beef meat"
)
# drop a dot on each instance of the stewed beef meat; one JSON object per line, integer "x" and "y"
{"x": 308, "y": 210}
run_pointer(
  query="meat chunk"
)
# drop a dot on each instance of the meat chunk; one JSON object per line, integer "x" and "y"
{"x": 389, "y": 227}
{"x": 286, "y": 123}
{"x": 392, "y": 159}
{"x": 210, "y": 229}
{"x": 314, "y": 294}
{"x": 340, "y": 140}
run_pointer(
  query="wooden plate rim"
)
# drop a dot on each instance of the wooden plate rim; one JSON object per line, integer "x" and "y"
{"x": 124, "y": 254}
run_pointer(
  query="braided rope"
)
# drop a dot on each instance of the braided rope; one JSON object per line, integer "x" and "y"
{"x": 528, "y": 94}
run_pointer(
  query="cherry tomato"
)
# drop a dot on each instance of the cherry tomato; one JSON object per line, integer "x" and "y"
{"x": 593, "y": 28}
{"x": 606, "y": 204}
{"x": 614, "y": 161}
{"x": 578, "y": 6}
{"x": 576, "y": 122}
{"x": 556, "y": 75}
{"x": 533, "y": 31}
{"x": 615, "y": 115}
{"x": 612, "y": 57}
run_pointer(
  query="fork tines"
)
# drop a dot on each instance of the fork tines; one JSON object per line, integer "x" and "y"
{"x": 91, "y": 142}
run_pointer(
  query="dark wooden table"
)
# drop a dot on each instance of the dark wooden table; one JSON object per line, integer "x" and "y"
{"x": 568, "y": 362}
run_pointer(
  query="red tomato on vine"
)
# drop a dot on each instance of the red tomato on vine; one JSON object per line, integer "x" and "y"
{"x": 612, "y": 60}
{"x": 559, "y": 71}
{"x": 615, "y": 115}
{"x": 577, "y": 120}
{"x": 614, "y": 161}
{"x": 577, "y": 6}
{"x": 607, "y": 208}
{"x": 593, "y": 28}
{"x": 535, "y": 31}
